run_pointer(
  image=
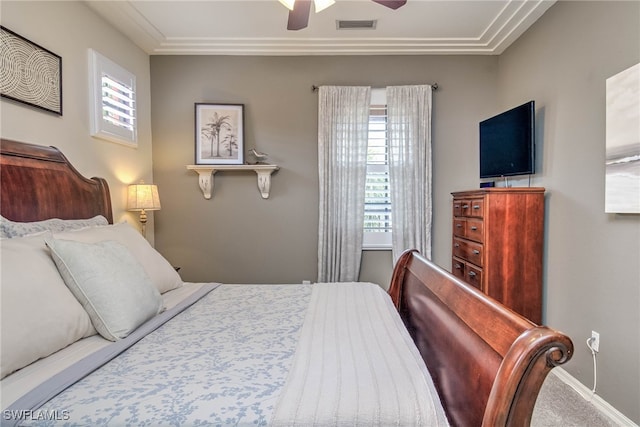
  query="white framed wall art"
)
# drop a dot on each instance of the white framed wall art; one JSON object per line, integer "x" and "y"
{"x": 622, "y": 159}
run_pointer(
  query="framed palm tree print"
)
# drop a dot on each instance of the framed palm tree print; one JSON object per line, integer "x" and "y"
{"x": 219, "y": 134}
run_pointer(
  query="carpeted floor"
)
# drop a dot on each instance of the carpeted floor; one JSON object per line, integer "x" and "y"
{"x": 559, "y": 405}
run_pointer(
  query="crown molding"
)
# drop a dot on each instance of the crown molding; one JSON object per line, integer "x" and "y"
{"x": 507, "y": 25}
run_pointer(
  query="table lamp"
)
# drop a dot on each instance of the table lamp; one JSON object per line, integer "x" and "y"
{"x": 143, "y": 197}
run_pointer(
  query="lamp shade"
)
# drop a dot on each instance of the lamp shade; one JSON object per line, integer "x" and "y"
{"x": 143, "y": 197}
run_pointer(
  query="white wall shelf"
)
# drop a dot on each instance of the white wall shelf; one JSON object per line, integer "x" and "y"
{"x": 206, "y": 173}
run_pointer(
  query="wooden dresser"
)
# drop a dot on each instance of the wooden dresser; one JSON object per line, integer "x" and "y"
{"x": 497, "y": 245}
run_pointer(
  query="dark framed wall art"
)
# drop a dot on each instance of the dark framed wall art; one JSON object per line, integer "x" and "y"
{"x": 29, "y": 73}
{"x": 219, "y": 134}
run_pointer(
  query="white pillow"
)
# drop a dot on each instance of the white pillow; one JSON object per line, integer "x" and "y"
{"x": 109, "y": 283}
{"x": 38, "y": 313}
{"x": 10, "y": 229}
{"x": 161, "y": 273}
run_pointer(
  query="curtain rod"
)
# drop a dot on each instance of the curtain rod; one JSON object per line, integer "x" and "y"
{"x": 314, "y": 88}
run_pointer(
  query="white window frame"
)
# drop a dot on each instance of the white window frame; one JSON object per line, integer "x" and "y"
{"x": 101, "y": 67}
{"x": 377, "y": 240}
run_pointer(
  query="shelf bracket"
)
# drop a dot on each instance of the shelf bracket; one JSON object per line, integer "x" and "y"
{"x": 264, "y": 181}
{"x": 205, "y": 181}
{"x": 206, "y": 176}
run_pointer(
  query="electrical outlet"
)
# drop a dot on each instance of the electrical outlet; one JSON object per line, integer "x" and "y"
{"x": 595, "y": 341}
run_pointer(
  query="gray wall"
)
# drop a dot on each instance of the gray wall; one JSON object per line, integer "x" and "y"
{"x": 592, "y": 259}
{"x": 239, "y": 237}
{"x": 591, "y": 280}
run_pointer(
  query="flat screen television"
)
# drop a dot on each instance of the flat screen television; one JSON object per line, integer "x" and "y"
{"x": 507, "y": 143}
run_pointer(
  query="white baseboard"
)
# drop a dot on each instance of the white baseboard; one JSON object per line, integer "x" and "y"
{"x": 597, "y": 401}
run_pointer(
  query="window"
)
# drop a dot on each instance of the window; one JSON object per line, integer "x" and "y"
{"x": 377, "y": 204}
{"x": 113, "y": 106}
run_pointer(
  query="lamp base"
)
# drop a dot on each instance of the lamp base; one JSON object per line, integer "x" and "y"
{"x": 143, "y": 221}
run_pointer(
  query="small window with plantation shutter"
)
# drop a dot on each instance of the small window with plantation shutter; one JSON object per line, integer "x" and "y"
{"x": 113, "y": 105}
{"x": 377, "y": 204}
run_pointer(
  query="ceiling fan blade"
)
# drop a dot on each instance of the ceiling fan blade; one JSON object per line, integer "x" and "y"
{"x": 393, "y": 4}
{"x": 299, "y": 16}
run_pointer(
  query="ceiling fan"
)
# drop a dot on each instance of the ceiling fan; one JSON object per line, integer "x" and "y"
{"x": 299, "y": 10}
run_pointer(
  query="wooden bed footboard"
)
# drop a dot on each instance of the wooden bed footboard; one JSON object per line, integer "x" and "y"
{"x": 488, "y": 362}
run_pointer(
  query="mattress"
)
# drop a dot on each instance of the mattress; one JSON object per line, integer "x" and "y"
{"x": 323, "y": 354}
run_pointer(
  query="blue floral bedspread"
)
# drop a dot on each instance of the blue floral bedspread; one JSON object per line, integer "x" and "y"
{"x": 223, "y": 361}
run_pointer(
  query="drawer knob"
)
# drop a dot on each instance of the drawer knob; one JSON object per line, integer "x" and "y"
{"x": 474, "y": 228}
{"x": 456, "y": 245}
{"x": 472, "y": 274}
{"x": 476, "y": 207}
{"x": 457, "y": 266}
{"x": 458, "y": 225}
{"x": 465, "y": 206}
{"x": 476, "y": 252}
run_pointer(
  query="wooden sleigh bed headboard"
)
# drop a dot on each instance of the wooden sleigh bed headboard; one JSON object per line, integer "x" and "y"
{"x": 39, "y": 183}
{"x": 488, "y": 363}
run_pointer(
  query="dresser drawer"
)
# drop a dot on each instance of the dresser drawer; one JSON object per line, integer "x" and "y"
{"x": 457, "y": 207}
{"x": 460, "y": 227}
{"x": 474, "y": 230}
{"x": 458, "y": 268}
{"x": 459, "y": 248}
{"x": 473, "y": 276}
{"x": 474, "y": 253}
{"x": 468, "y": 251}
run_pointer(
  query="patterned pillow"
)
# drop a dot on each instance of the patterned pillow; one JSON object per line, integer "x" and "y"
{"x": 10, "y": 229}
{"x": 109, "y": 283}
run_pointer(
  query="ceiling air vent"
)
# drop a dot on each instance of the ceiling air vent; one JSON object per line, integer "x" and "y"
{"x": 366, "y": 24}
